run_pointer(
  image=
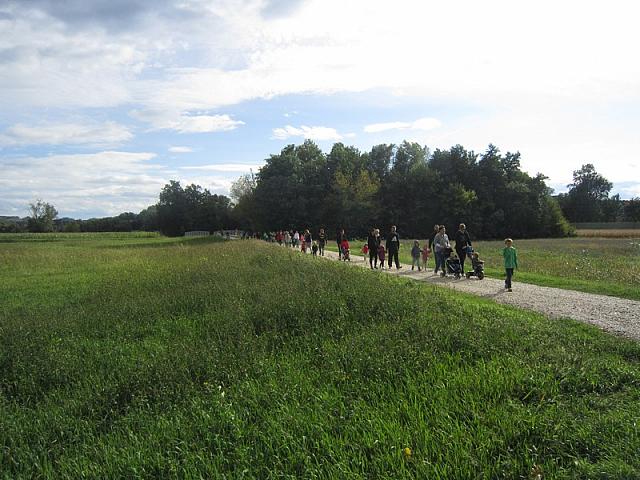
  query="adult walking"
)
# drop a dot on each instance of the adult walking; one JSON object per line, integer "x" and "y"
{"x": 322, "y": 240}
{"x": 340, "y": 237}
{"x": 462, "y": 242}
{"x": 436, "y": 229}
{"x": 373, "y": 242}
{"x": 440, "y": 242}
{"x": 307, "y": 240}
{"x": 393, "y": 246}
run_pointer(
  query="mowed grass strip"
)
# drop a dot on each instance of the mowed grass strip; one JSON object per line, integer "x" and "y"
{"x": 607, "y": 266}
{"x": 244, "y": 360}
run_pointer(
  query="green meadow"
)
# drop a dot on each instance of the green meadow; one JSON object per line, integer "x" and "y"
{"x": 125, "y": 356}
{"x": 608, "y": 266}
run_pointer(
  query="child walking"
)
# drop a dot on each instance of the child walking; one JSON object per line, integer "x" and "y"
{"x": 416, "y": 252}
{"x": 365, "y": 252}
{"x": 426, "y": 252}
{"x": 510, "y": 262}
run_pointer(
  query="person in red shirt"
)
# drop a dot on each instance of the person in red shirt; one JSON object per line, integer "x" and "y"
{"x": 365, "y": 252}
{"x": 344, "y": 249}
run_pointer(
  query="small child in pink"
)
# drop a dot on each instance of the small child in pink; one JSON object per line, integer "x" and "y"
{"x": 426, "y": 253}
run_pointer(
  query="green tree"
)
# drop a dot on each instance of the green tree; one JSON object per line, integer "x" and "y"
{"x": 585, "y": 199}
{"x": 41, "y": 216}
{"x": 172, "y": 209}
{"x": 612, "y": 209}
{"x": 191, "y": 208}
{"x": 148, "y": 218}
{"x": 632, "y": 210}
{"x": 356, "y": 198}
{"x": 243, "y": 196}
{"x": 404, "y": 185}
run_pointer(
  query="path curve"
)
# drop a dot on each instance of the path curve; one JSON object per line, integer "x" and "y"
{"x": 615, "y": 315}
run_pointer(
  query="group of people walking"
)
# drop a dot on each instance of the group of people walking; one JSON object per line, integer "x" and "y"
{"x": 378, "y": 253}
{"x": 303, "y": 240}
{"x": 439, "y": 241}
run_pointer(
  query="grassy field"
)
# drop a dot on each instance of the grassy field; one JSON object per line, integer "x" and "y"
{"x": 609, "y": 266}
{"x": 156, "y": 358}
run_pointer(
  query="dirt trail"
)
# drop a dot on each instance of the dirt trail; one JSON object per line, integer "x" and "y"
{"x": 615, "y": 315}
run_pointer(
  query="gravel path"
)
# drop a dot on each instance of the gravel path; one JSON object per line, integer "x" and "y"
{"x": 615, "y": 315}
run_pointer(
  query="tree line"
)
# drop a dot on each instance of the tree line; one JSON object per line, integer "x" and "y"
{"x": 588, "y": 200}
{"x": 405, "y": 185}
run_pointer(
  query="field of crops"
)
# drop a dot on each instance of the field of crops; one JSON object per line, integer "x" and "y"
{"x": 151, "y": 357}
{"x": 609, "y": 266}
{"x": 608, "y": 233}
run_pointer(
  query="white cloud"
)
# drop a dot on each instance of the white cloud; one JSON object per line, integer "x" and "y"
{"x": 311, "y": 133}
{"x": 311, "y": 49}
{"x": 542, "y": 94}
{"x": 103, "y": 183}
{"x": 204, "y": 123}
{"x": 554, "y": 138}
{"x": 108, "y": 133}
{"x": 180, "y": 149}
{"x": 225, "y": 167}
{"x": 186, "y": 123}
{"x": 108, "y": 182}
{"x": 420, "y": 124}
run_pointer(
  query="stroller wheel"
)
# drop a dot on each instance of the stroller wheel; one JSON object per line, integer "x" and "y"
{"x": 442, "y": 274}
{"x": 480, "y": 275}
{"x": 468, "y": 274}
{"x": 457, "y": 275}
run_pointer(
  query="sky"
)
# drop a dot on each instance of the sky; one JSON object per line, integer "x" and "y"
{"x": 102, "y": 102}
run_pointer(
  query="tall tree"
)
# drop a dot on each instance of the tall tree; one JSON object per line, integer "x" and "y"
{"x": 191, "y": 208}
{"x": 172, "y": 209}
{"x": 632, "y": 210}
{"x": 584, "y": 200}
{"x": 41, "y": 216}
{"x": 243, "y": 195}
{"x": 404, "y": 185}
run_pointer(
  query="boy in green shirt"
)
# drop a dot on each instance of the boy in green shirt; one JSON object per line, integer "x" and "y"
{"x": 510, "y": 261}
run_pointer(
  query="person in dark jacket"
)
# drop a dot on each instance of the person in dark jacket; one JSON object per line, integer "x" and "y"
{"x": 340, "y": 237}
{"x": 462, "y": 242}
{"x": 436, "y": 229}
{"x": 373, "y": 242}
{"x": 393, "y": 246}
{"x": 322, "y": 240}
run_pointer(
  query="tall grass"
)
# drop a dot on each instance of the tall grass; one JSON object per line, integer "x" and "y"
{"x": 241, "y": 360}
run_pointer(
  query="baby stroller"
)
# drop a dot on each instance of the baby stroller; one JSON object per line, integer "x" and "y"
{"x": 477, "y": 265}
{"x": 345, "y": 254}
{"x": 451, "y": 264}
